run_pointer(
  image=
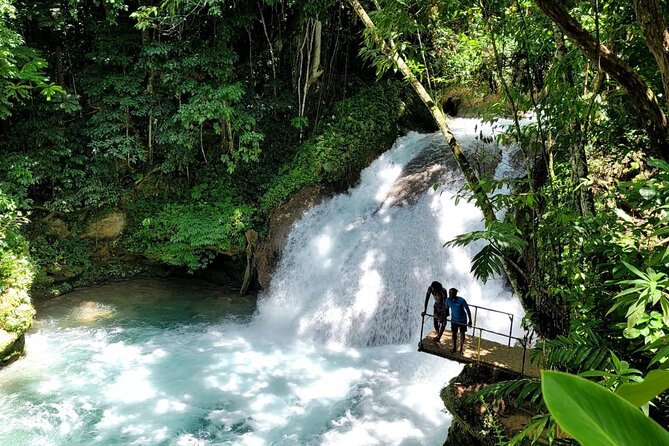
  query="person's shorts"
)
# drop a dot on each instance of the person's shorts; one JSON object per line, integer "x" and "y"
{"x": 455, "y": 326}
{"x": 438, "y": 311}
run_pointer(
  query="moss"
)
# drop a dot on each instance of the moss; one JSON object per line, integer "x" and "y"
{"x": 11, "y": 347}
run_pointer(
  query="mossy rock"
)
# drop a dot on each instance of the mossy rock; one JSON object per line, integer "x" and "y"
{"x": 56, "y": 226}
{"x": 11, "y": 347}
{"x": 478, "y": 424}
{"x": 108, "y": 227}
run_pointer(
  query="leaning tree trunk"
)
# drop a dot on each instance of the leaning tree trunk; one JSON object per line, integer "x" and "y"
{"x": 642, "y": 96}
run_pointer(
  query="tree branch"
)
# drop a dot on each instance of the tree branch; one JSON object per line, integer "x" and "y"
{"x": 642, "y": 96}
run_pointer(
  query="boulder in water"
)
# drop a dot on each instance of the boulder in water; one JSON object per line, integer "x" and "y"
{"x": 269, "y": 249}
{"x": 11, "y": 346}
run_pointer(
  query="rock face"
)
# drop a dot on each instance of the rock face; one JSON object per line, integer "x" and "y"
{"x": 11, "y": 347}
{"x": 269, "y": 249}
{"x": 434, "y": 165}
{"x": 475, "y": 423}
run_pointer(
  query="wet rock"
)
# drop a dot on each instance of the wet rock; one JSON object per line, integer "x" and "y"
{"x": 11, "y": 347}
{"x": 435, "y": 165}
{"x": 475, "y": 423}
{"x": 269, "y": 249}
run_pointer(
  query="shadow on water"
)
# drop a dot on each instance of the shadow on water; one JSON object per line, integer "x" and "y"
{"x": 151, "y": 302}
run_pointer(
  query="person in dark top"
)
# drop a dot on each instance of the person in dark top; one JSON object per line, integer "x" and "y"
{"x": 461, "y": 317}
{"x": 439, "y": 313}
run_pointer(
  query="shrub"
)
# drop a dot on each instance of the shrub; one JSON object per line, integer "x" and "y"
{"x": 359, "y": 129}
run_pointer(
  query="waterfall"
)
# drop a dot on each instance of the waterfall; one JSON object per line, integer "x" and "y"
{"x": 328, "y": 358}
{"x": 356, "y": 267}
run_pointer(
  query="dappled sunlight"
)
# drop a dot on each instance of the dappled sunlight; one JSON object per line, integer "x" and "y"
{"x": 369, "y": 286}
{"x": 323, "y": 244}
{"x": 482, "y": 350}
{"x": 88, "y": 312}
{"x": 165, "y": 405}
{"x": 388, "y": 176}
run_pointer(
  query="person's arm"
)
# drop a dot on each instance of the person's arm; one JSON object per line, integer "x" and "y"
{"x": 469, "y": 314}
{"x": 427, "y": 299}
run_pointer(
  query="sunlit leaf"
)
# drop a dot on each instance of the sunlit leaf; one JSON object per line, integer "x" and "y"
{"x": 595, "y": 416}
{"x": 654, "y": 383}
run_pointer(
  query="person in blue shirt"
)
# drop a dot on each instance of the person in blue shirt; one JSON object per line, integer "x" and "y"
{"x": 439, "y": 309}
{"x": 461, "y": 317}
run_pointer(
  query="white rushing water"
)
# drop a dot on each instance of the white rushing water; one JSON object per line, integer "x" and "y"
{"x": 328, "y": 358}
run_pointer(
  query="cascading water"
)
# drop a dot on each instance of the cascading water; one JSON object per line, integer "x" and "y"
{"x": 355, "y": 268}
{"x": 329, "y": 357}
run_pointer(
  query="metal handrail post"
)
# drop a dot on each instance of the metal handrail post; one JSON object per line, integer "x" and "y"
{"x": 422, "y": 325}
{"x": 476, "y": 312}
{"x": 478, "y": 352}
{"x": 511, "y": 330}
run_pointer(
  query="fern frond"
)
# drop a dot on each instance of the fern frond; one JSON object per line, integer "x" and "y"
{"x": 542, "y": 429}
{"x": 574, "y": 353}
{"x": 522, "y": 390}
{"x": 533, "y": 431}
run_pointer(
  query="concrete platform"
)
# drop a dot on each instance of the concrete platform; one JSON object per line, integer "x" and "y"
{"x": 491, "y": 353}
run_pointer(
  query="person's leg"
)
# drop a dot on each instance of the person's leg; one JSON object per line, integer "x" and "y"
{"x": 435, "y": 318}
{"x": 442, "y": 326}
{"x": 454, "y": 335}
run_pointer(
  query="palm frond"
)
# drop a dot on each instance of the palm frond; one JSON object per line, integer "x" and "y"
{"x": 580, "y": 351}
{"x": 525, "y": 390}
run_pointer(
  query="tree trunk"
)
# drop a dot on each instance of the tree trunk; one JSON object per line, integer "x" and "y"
{"x": 316, "y": 70}
{"x": 251, "y": 242}
{"x": 582, "y": 196}
{"x": 313, "y": 66}
{"x": 653, "y": 23}
{"x": 642, "y": 96}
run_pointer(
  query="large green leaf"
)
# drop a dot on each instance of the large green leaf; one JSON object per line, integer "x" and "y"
{"x": 595, "y": 416}
{"x": 656, "y": 382}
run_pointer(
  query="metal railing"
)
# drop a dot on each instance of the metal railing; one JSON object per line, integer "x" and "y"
{"x": 522, "y": 341}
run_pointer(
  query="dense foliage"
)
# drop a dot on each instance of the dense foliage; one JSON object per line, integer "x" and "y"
{"x": 136, "y": 136}
{"x": 360, "y": 129}
{"x": 16, "y": 271}
{"x": 178, "y": 115}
